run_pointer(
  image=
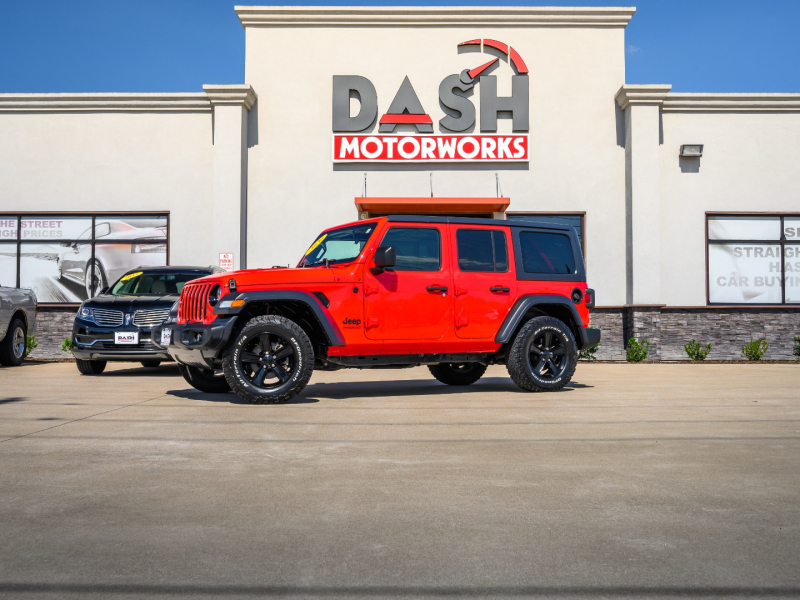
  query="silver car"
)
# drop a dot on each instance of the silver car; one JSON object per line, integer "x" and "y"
{"x": 17, "y": 319}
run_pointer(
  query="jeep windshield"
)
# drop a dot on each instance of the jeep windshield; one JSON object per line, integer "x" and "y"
{"x": 338, "y": 245}
{"x": 154, "y": 283}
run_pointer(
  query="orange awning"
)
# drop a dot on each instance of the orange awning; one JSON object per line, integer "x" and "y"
{"x": 427, "y": 206}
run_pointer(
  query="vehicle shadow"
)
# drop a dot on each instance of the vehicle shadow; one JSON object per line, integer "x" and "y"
{"x": 229, "y": 398}
{"x": 165, "y": 370}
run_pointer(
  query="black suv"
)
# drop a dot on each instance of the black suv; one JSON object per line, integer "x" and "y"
{"x": 118, "y": 323}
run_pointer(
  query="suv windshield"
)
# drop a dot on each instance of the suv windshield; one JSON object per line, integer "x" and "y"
{"x": 338, "y": 246}
{"x": 156, "y": 283}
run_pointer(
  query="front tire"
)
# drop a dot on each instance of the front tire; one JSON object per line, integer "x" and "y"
{"x": 204, "y": 380}
{"x": 12, "y": 348}
{"x": 458, "y": 373}
{"x": 90, "y": 367}
{"x": 543, "y": 355}
{"x": 270, "y": 361}
{"x": 151, "y": 364}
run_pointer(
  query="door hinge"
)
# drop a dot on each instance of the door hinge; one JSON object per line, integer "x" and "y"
{"x": 462, "y": 321}
{"x": 370, "y": 289}
{"x": 371, "y": 323}
{"x": 460, "y": 291}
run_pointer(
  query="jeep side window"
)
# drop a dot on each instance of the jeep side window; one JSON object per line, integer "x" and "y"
{"x": 546, "y": 253}
{"x": 417, "y": 248}
{"x": 482, "y": 251}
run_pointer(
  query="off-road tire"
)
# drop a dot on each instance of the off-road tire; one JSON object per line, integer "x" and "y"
{"x": 458, "y": 373}
{"x": 518, "y": 364}
{"x": 151, "y": 363}
{"x": 205, "y": 380}
{"x": 287, "y": 331}
{"x": 9, "y": 352}
{"x": 90, "y": 367}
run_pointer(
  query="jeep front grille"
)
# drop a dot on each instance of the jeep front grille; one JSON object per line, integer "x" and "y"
{"x": 194, "y": 304}
{"x": 150, "y": 318}
{"x": 110, "y": 318}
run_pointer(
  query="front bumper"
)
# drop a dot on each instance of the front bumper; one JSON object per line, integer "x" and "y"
{"x": 94, "y": 342}
{"x": 589, "y": 337}
{"x": 197, "y": 344}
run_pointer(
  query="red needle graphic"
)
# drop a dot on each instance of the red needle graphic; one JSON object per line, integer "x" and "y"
{"x": 471, "y": 75}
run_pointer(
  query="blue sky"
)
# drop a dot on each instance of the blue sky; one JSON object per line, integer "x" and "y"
{"x": 178, "y": 45}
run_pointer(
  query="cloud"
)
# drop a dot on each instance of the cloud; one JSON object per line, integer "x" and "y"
{"x": 633, "y": 49}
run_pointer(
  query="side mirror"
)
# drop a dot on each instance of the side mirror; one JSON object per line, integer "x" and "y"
{"x": 104, "y": 290}
{"x": 385, "y": 258}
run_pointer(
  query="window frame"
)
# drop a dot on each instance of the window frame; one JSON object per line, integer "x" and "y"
{"x": 564, "y": 213}
{"x": 501, "y": 231}
{"x": 26, "y": 215}
{"x": 781, "y": 242}
{"x": 441, "y": 252}
{"x": 523, "y": 275}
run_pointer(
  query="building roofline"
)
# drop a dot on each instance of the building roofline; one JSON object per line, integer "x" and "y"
{"x": 433, "y": 16}
{"x": 682, "y": 102}
{"x": 649, "y": 94}
{"x": 105, "y": 102}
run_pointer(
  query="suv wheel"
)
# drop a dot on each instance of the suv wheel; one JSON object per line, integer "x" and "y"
{"x": 270, "y": 360}
{"x": 205, "y": 380}
{"x": 543, "y": 355}
{"x": 458, "y": 373}
{"x": 90, "y": 367}
{"x": 151, "y": 363}
{"x": 12, "y": 348}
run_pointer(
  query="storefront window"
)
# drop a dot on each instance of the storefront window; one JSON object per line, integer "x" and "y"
{"x": 67, "y": 258}
{"x": 753, "y": 259}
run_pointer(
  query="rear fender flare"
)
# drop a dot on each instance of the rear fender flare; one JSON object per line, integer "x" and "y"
{"x": 524, "y": 304}
{"x": 333, "y": 336}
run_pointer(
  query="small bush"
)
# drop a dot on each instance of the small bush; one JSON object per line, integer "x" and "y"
{"x": 31, "y": 343}
{"x": 796, "y": 348}
{"x": 755, "y": 349}
{"x": 637, "y": 351}
{"x": 590, "y": 354}
{"x": 67, "y": 345}
{"x": 696, "y": 351}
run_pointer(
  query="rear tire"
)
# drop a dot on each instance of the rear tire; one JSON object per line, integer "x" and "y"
{"x": 458, "y": 373}
{"x": 204, "y": 380}
{"x": 90, "y": 367}
{"x": 13, "y": 346}
{"x": 543, "y": 355}
{"x": 269, "y": 361}
{"x": 151, "y": 364}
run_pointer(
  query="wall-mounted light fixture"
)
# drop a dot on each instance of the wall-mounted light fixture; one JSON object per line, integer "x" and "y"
{"x": 692, "y": 150}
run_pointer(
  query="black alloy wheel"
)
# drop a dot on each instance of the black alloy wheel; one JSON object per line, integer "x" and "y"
{"x": 543, "y": 355}
{"x": 269, "y": 361}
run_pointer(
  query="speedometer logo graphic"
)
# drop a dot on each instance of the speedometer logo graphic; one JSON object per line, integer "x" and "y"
{"x": 468, "y": 76}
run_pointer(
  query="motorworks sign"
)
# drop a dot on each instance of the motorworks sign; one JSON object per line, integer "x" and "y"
{"x": 353, "y": 142}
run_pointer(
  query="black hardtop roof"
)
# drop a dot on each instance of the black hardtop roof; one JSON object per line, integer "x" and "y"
{"x": 471, "y": 221}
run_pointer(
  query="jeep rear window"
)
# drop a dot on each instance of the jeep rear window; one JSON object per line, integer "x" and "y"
{"x": 482, "y": 251}
{"x": 417, "y": 248}
{"x": 546, "y": 253}
{"x": 338, "y": 246}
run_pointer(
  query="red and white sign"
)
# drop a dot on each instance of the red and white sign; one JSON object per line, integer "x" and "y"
{"x": 226, "y": 260}
{"x": 429, "y": 148}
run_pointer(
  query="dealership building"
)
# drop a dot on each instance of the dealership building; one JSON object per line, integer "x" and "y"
{"x": 687, "y": 205}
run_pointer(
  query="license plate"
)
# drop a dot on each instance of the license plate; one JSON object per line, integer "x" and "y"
{"x": 166, "y": 336}
{"x": 126, "y": 337}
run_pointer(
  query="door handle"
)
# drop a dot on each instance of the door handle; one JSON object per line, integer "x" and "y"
{"x": 436, "y": 288}
{"x": 497, "y": 289}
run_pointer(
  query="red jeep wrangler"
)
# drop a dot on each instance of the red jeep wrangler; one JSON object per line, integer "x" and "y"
{"x": 456, "y": 294}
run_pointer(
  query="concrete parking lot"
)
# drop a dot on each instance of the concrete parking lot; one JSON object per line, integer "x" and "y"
{"x": 636, "y": 481}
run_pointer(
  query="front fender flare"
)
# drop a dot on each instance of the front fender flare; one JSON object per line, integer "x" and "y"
{"x": 333, "y": 336}
{"x": 521, "y": 307}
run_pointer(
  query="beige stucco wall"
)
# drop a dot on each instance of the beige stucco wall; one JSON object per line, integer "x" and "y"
{"x": 113, "y": 161}
{"x": 749, "y": 164}
{"x": 577, "y": 155}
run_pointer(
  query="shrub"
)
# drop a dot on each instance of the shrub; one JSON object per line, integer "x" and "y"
{"x": 590, "y": 354}
{"x": 31, "y": 343}
{"x": 67, "y": 345}
{"x": 755, "y": 349}
{"x": 637, "y": 351}
{"x": 796, "y": 348}
{"x": 696, "y": 351}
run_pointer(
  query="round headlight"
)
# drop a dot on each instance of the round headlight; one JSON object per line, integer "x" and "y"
{"x": 213, "y": 297}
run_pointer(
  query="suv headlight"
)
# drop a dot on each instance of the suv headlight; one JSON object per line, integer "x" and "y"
{"x": 213, "y": 297}
{"x": 86, "y": 313}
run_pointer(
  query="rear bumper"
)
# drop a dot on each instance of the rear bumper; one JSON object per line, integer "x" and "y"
{"x": 196, "y": 344}
{"x": 589, "y": 337}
